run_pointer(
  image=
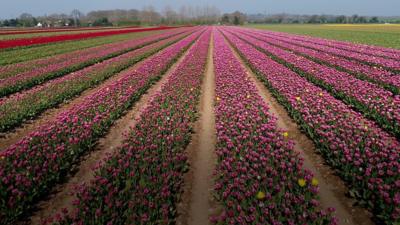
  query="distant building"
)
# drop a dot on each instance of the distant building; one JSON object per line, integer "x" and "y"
{"x": 39, "y": 24}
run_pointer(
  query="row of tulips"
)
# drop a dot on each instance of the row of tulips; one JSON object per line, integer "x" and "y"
{"x": 363, "y": 154}
{"x": 25, "y": 75}
{"x": 141, "y": 183}
{"x": 23, "y": 42}
{"x": 17, "y": 108}
{"x": 384, "y": 78}
{"x": 360, "y": 48}
{"x": 18, "y": 68}
{"x": 9, "y": 31}
{"x": 42, "y": 34}
{"x": 388, "y": 63}
{"x": 29, "y": 168}
{"x": 375, "y": 102}
{"x": 259, "y": 177}
{"x": 38, "y": 52}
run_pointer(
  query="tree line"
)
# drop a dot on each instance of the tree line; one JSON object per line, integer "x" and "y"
{"x": 318, "y": 19}
{"x": 195, "y": 15}
{"x": 120, "y": 17}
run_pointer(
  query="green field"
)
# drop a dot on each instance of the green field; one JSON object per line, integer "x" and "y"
{"x": 387, "y": 35}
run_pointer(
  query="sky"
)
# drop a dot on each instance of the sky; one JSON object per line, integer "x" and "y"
{"x": 13, "y": 8}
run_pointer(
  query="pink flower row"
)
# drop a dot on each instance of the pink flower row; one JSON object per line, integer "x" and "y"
{"x": 376, "y": 74}
{"x": 16, "y": 108}
{"x": 83, "y": 74}
{"x": 259, "y": 177}
{"x": 367, "y": 97}
{"x": 29, "y": 168}
{"x": 141, "y": 183}
{"x": 365, "y": 156}
{"x": 360, "y": 48}
{"x": 393, "y": 64}
{"x": 17, "y": 76}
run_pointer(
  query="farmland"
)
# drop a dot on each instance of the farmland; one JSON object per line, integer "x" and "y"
{"x": 386, "y": 35}
{"x": 198, "y": 125}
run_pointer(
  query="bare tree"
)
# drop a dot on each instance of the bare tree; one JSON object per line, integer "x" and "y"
{"x": 76, "y": 15}
{"x": 170, "y": 15}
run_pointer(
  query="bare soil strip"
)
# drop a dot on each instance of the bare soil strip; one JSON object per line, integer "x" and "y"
{"x": 61, "y": 196}
{"x": 333, "y": 191}
{"x": 197, "y": 203}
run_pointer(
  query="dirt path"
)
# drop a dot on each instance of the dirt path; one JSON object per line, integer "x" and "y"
{"x": 197, "y": 204}
{"x": 61, "y": 197}
{"x": 332, "y": 188}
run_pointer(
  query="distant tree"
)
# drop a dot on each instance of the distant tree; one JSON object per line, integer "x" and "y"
{"x": 149, "y": 15}
{"x": 170, "y": 16}
{"x": 314, "y": 19}
{"x": 27, "y": 20}
{"x": 76, "y": 15}
{"x": 340, "y": 19}
{"x": 362, "y": 19}
{"x": 354, "y": 18}
{"x": 236, "y": 20}
{"x": 225, "y": 19}
{"x": 102, "y": 22}
{"x": 13, "y": 22}
{"x": 374, "y": 20}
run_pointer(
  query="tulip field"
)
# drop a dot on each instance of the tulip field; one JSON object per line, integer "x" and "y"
{"x": 108, "y": 126}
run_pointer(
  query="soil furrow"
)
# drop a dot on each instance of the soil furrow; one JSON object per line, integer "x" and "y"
{"x": 197, "y": 203}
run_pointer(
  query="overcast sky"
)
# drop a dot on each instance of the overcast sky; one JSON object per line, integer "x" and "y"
{"x": 13, "y": 8}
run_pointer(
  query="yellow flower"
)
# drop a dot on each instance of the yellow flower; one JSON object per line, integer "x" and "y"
{"x": 218, "y": 99}
{"x": 366, "y": 127}
{"x": 301, "y": 182}
{"x": 314, "y": 182}
{"x": 248, "y": 96}
{"x": 321, "y": 94}
{"x": 298, "y": 98}
{"x": 286, "y": 134}
{"x": 2, "y": 157}
{"x": 191, "y": 89}
{"x": 260, "y": 195}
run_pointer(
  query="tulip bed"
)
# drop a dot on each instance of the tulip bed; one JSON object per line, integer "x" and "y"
{"x": 388, "y": 63}
{"x": 32, "y": 166}
{"x": 259, "y": 177}
{"x": 25, "y": 54}
{"x": 141, "y": 184}
{"x": 42, "y": 63}
{"x": 365, "y": 156}
{"x": 24, "y": 42}
{"x": 53, "y": 29}
{"x": 363, "y": 49}
{"x": 26, "y": 75}
{"x": 384, "y": 78}
{"x": 51, "y": 32}
{"x": 21, "y": 106}
{"x": 375, "y": 102}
